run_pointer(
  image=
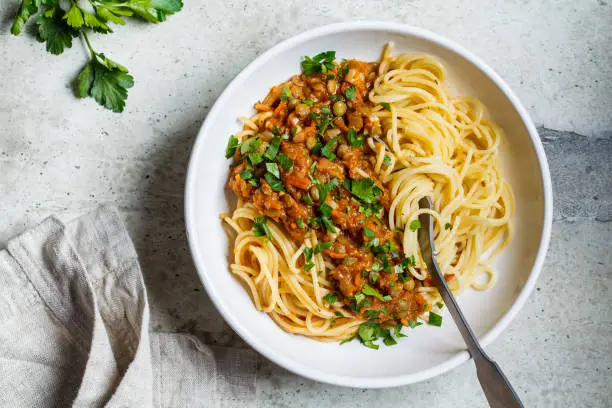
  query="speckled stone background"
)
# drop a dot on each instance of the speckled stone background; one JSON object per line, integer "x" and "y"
{"x": 59, "y": 154}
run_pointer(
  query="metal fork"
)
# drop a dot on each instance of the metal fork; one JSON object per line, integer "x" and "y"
{"x": 494, "y": 383}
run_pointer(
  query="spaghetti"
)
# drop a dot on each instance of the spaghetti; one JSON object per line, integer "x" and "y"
{"x": 329, "y": 172}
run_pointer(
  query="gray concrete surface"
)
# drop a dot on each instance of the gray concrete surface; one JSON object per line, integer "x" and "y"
{"x": 62, "y": 155}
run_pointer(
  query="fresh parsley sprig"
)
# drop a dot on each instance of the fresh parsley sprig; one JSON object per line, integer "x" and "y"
{"x": 102, "y": 79}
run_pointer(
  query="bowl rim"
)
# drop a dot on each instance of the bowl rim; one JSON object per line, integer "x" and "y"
{"x": 461, "y": 356}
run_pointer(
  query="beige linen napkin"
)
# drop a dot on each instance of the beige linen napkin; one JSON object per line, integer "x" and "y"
{"x": 74, "y": 321}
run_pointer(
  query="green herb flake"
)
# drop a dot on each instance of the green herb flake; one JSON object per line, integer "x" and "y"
{"x": 373, "y": 314}
{"x": 370, "y": 291}
{"x": 307, "y": 199}
{"x": 353, "y": 139}
{"x": 398, "y": 331}
{"x": 415, "y": 225}
{"x": 331, "y": 298}
{"x": 308, "y": 102}
{"x": 447, "y": 226}
{"x": 274, "y": 182}
{"x": 285, "y": 162}
{"x": 232, "y": 144}
{"x": 260, "y": 228}
{"x": 386, "y": 106}
{"x": 350, "y": 92}
{"x": 300, "y": 223}
{"x": 413, "y": 324}
{"x": 435, "y": 319}
{"x": 273, "y": 168}
{"x": 322, "y": 246}
{"x": 308, "y": 266}
{"x": 320, "y": 63}
{"x": 286, "y": 93}
{"x": 348, "y": 339}
{"x": 272, "y": 149}
{"x": 327, "y": 150}
{"x": 366, "y": 190}
{"x": 387, "y": 160}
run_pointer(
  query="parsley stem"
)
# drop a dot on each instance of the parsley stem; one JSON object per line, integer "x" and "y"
{"x": 93, "y": 53}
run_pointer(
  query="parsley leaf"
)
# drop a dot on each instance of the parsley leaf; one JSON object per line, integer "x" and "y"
{"x": 300, "y": 223}
{"x": 447, "y": 226}
{"x": 387, "y": 160}
{"x": 365, "y": 189}
{"x": 327, "y": 150}
{"x": 331, "y": 298}
{"x": 106, "y": 81}
{"x": 307, "y": 252}
{"x": 54, "y": 30}
{"x": 308, "y": 102}
{"x": 325, "y": 189}
{"x": 286, "y": 93}
{"x": 435, "y": 319}
{"x": 368, "y": 233}
{"x": 322, "y": 246}
{"x": 386, "y": 106}
{"x": 373, "y": 314}
{"x": 350, "y": 92}
{"x": 255, "y": 158}
{"x": 370, "y": 291}
{"x": 307, "y": 199}
{"x": 250, "y": 145}
{"x": 413, "y": 324}
{"x": 388, "y": 340}
{"x": 260, "y": 228}
{"x": 285, "y": 162}
{"x": 398, "y": 331}
{"x": 308, "y": 266}
{"x": 274, "y": 182}
{"x": 353, "y": 139}
{"x": 27, "y": 9}
{"x": 272, "y": 149}
{"x": 348, "y": 339}
{"x": 273, "y": 168}
{"x": 232, "y": 145}
{"x": 415, "y": 225}
{"x": 320, "y": 63}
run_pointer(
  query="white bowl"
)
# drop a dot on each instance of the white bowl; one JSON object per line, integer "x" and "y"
{"x": 427, "y": 351}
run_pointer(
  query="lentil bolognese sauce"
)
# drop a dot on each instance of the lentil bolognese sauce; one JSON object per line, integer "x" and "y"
{"x": 327, "y": 174}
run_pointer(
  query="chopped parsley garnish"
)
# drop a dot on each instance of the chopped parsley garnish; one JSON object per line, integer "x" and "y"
{"x": 285, "y": 162}
{"x": 335, "y": 98}
{"x": 387, "y": 160}
{"x": 232, "y": 145}
{"x": 435, "y": 319}
{"x": 327, "y": 150}
{"x": 273, "y": 168}
{"x": 374, "y": 277}
{"x": 308, "y": 266}
{"x": 350, "y": 92}
{"x": 294, "y": 130}
{"x": 286, "y": 93}
{"x": 323, "y": 119}
{"x": 376, "y": 267}
{"x": 373, "y": 314}
{"x": 250, "y": 145}
{"x": 388, "y": 340}
{"x": 415, "y": 225}
{"x": 307, "y": 252}
{"x": 413, "y": 324}
{"x": 440, "y": 305}
{"x": 260, "y": 228}
{"x": 447, "y": 226}
{"x": 307, "y": 199}
{"x": 408, "y": 261}
{"x": 368, "y": 333}
{"x": 370, "y": 291}
{"x": 398, "y": 331}
{"x": 320, "y": 63}
{"x": 300, "y": 223}
{"x": 325, "y": 189}
{"x": 368, "y": 233}
{"x": 348, "y": 339}
{"x": 359, "y": 298}
{"x": 246, "y": 174}
{"x": 325, "y": 210}
{"x": 313, "y": 167}
{"x": 386, "y": 106}
{"x": 331, "y": 298}
{"x": 353, "y": 139}
{"x": 343, "y": 71}
{"x": 274, "y": 182}
{"x": 255, "y": 158}
{"x": 322, "y": 246}
{"x": 308, "y": 102}
{"x": 364, "y": 189}
{"x": 338, "y": 313}
{"x": 272, "y": 149}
